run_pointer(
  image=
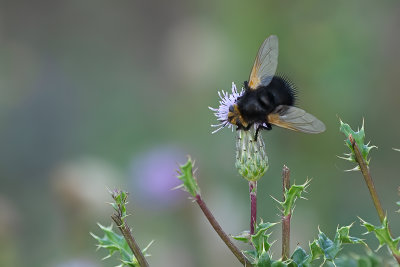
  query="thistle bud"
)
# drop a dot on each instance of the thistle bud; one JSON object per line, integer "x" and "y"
{"x": 251, "y": 159}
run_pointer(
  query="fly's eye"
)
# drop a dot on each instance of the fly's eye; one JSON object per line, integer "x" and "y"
{"x": 231, "y": 108}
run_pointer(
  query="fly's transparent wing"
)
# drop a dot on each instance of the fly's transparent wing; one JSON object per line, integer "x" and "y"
{"x": 266, "y": 62}
{"x": 296, "y": 119}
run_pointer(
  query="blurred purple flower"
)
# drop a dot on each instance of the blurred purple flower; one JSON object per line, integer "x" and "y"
{"x": 153, "y": 176}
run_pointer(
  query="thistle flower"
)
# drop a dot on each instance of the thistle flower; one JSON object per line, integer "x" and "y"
{"x": 221, "y": 112}
{"x": 251, "y": 159}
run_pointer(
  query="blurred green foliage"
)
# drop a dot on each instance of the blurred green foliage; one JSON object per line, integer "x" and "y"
{"x": 89, "y": 88}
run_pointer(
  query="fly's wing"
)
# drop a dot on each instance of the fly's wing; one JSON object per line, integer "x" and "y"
{"x": 266, "y": 62}
{"x": 296, "y": 119}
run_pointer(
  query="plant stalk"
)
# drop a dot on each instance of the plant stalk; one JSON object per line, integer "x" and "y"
{"x": 370, "y": 184}
{"x": 286, "y": 219}
{"x": 126, "y": 232}
{"x": 210, "y": 217}
{"x": 253, "y": 205}
{"x": 368, "y": 179}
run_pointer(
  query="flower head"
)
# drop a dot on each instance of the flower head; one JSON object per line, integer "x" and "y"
{"x": 226, "y": 101}
{"x": 251, "y": 159}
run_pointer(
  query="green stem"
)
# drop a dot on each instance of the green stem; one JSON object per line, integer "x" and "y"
{"x": 368, "y": 179}
{"x": 370, "y": 184}
{"x": 126, "y": 232}
{"x": 286, "y": 219}
{"x": 210, "y": 217}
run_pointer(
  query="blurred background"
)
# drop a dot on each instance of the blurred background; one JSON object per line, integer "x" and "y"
{"x": 104, "y": 94}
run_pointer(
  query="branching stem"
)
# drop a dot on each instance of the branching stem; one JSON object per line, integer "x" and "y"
{"x": 286, "y": 219}
{"x": 210, "y": 217}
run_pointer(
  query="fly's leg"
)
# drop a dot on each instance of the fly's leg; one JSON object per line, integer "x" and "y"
{"x": 266, "y": 126}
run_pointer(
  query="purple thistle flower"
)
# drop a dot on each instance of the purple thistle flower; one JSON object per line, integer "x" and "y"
{"x": 221, "y": 112}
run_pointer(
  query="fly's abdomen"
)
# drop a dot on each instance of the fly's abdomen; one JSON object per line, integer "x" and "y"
{"x": 255, "y": 105}
{"x": 281, "y": 91}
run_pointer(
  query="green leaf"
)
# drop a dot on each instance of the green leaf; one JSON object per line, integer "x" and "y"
{"x": 259, "y": 255}
{"x": 359, "y": 138}
{"x": 325, "y": 247}
{"x": 260, "y": 238}
{"x": 263, "y": 260}
{"x": 279, "y": 263}
{"x": 330, "y": 248}
{"x": 291, "y": 196}
{"x": 243, "y": 237}
{"x": 262, "y": 226}
{"x": 383, "y": 235}
{"x": 251, "y": 255}
{"x": 316, "y": 251}
{"x": 301, "y": 258}
{"x": 114, "y": 242}
{"x": 186, "y": 176}
{"x": 342, "y": 234}
{"x": 260, "y": 242}
{"x": 369, "y": 260}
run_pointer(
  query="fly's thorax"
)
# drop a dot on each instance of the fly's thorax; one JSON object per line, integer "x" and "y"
{"x": 254, "y": 105}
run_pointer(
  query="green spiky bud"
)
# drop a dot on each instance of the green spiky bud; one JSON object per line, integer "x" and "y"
{"x": 251, "y": 159}
{"x": 359, "y": 139}
{"x": 189, "y": 182}
{"x": 120, "y": 197}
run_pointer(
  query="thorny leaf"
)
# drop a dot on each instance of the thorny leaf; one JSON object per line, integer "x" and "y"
{"x": 359, "y": 138}
{"x": 383, "y": 235}
{"x": 186, "y": 176}
{"x": 114, "y": 242}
